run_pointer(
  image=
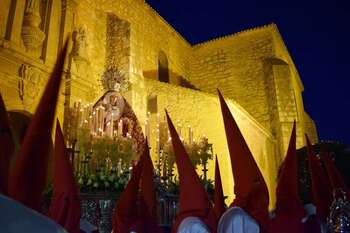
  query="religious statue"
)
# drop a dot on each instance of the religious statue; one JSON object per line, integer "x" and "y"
{"x": 32, "y": 35}
{"x": 112, "y": 116}
{"x": 113, "y": 104}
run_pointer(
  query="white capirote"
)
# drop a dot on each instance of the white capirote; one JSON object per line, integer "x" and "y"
{"x": 236, "y": 220}
{"x": 16, "y": 218}
{"x": 192, "y": 225}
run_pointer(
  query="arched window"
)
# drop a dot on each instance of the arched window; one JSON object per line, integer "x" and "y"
{"x": 19, "y": 121}
{"x": 163, "y": 71}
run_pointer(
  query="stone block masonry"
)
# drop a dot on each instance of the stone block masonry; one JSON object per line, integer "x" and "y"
{"x": 252, "y": 68}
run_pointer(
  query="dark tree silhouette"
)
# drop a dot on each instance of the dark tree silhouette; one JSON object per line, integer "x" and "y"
{"x": 340, "y": 154}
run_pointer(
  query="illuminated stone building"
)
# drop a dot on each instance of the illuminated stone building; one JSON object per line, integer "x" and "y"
{"x": 252, "y": 68}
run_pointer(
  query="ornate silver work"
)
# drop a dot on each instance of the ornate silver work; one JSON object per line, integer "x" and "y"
{"x": 339, "y": 217}
{"x": 114, "y": 80}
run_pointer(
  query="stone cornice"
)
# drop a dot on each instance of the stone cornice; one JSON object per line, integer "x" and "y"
{"x": 13, "y": 56}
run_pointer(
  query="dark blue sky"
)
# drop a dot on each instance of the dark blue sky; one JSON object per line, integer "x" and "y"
{"x": 316, "y": 32}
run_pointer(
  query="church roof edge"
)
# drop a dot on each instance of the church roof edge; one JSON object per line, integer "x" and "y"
{"x": 248, "y": 30}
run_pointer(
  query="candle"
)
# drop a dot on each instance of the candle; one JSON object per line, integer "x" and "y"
{"x": 77, "y": 112}
{"x": 147, "y": 129}
{"x": 97, "y": 119}
{"x": 189, "y": 135}
{"x": 108, "y": 126}
{"x": 102, "y": 119}
{"x": 84, "y": 117}
{"x": 81, "y": 115}
{"x": 92, "y": 117}
{"x": 120, "y": 128}
{"x": 158, "y": 138}
{"x": 158, "y": 150}
{"x": 90, "y": 123}
{"x": 112, "y": 125}
{"x": 158, "y": 132}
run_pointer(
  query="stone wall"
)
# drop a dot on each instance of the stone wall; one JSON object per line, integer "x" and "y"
{"x": 30, "y": 32}
{"x": 150, "y": 34}
{"x": 202, "y": 112}
{"x": 255, "y": 69}
{"x": 235, "y": 66}
{"x": 252, "y": 68}
{"x": 117, "y": 44}
{"x": 282, "y": 103}
{"x": 310, "y": 128}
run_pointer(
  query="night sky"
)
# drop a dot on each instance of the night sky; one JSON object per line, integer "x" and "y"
{"x": 316, "y": 32}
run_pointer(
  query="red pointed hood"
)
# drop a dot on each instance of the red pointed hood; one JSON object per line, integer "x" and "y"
{"x": 148, "y": 192}
{"x": 335, "y": 178}
{"x": 28, "y": 176}
{"x": 250, "y": 187}
{"x": 321, "y": 190}
{"x": 125, "y": 216}
{"x": 7, "y": 147}
{"x": 65, "y": 205}
{"x": 287, "y": 188}
{"x": 219, "y": 200}
{"x": 289, "y": 209}
{"x": 190, "y": 187}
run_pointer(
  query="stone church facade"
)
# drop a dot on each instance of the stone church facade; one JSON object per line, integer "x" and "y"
{"x": 252, "y": 68}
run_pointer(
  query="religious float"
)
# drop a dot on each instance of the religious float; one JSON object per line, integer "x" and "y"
{"x": 105, "y": 140}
